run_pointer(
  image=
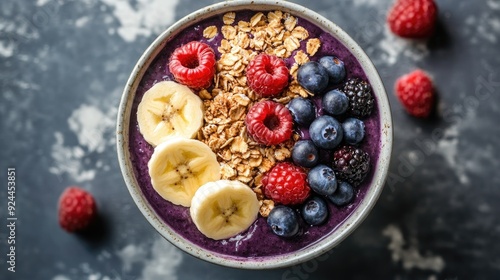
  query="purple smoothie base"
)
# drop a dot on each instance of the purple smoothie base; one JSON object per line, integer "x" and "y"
{"x": 249, "y": 243}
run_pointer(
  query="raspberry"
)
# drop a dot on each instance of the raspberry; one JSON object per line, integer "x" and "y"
{"x": 286, "y": 183}
{"x": 193, "y": 65}
{"x": 77, "y": 208}
{"x": 415, "y": 92}
{"x": 267, "y": 75}
{"x": 360, "y": 98}
{"x": 351, "y": 164}
{"x": 269, "y": 123}
{"x": 413, "y": 18}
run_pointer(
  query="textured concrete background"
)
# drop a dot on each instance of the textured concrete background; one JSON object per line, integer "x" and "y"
{"x": 65, "y": 63}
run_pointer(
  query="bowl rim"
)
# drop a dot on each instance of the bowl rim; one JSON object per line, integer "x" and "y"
{"x": 279, "y": 261}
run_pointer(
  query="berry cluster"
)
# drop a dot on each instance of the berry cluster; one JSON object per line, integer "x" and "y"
{"x": 349, "y": 102}
{"x": 414, "y": 19}
{"x": 268, "y": 122}
{"x": 328, "y": 164}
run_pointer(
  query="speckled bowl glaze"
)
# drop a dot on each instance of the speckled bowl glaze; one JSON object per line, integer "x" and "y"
{"x": 315, "y": 249}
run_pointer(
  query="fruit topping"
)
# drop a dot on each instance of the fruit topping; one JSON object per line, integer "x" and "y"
{"x": 283, "y": 221}
{"x": 77, "y": 209}
{"x": 335, "y": 102}
{"x": 267, "y": 75}
{"x": 351, "y": 164}
{"x": 169, "y": 109}
{"x": 179, "y": 166}
{"x": 313, "y": 77}
{"x": 286, "y": 184}
{"x": 416, "y": 94}
{"x": 335, "y": 68}
{"x": 303, "y": 111}
{"x": 269, "y": 123}
{"x": 326, "y": 132}
{"x": 305, "y": 153}
{"x": 360, "y": 97}
{"x": 413, "y": 18}
{"x": 354, "y": 130}
{"x": 343, "y": 195}
{"x": 224, "y": 208}
{"x": 322, "y": 180}
{"x": 193, "y": 65}
{"x": 314, "y": 211}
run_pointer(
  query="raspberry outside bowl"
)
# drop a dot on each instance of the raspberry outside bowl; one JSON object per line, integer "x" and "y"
{"x": 325, "y": 243}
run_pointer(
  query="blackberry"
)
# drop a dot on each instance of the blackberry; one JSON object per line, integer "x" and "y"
{"x": 351, "y": 164}
{"x": 360, "y": 98}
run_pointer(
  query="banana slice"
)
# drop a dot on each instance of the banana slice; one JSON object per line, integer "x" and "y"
{"x": 179, "y": 166}
{"x": 224, "y": 208}
{"x": 169, "y": 109}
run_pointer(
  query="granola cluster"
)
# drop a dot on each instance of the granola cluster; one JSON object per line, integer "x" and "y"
{"x": 226, "y": 105}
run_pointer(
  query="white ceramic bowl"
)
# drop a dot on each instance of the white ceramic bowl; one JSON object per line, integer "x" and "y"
{"x": 316, "y": 249}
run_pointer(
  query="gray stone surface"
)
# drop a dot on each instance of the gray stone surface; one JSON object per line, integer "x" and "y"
{"x": 65, "y": 63}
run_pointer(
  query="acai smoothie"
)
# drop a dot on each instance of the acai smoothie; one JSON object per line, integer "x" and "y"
{"x": 224, "y": 34}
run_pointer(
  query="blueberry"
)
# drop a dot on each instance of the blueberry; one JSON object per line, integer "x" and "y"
{"x": 335, "y": 102}
{"x": 322, "y": 180}
{"x": 335, "y": 68}
{"x": 303, "y": 111}
{"x": 343, "y": 195}
{"x": 305, "y": 153}
{"x": 326, "y": 132}
{"x": 354, "y": 130}
{"x": 315, "y": 211}
{"x": 283, "y": 221}
{"x": 313, "y": 77}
